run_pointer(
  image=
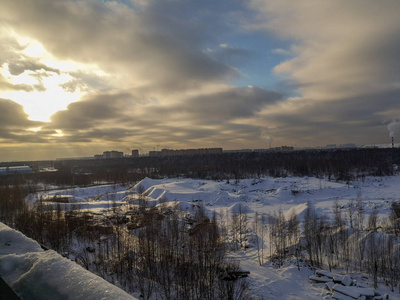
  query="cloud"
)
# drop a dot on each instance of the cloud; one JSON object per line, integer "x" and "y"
{"x": 161, "y": 72}
{"x": 341, "y": 48}
{"x": 230, "y": 104}
{"x": 18, "y": 67}
{"x": 7, "y": 86}
{"x": 230, "y": 55}
{"x": 91, "y": 111}
{"x": 12, "y": 114}
{"x": 86, "y": 80}
{"x": 14, "y": 124}
{"x": 281, "y": 51}
{"x": 344, "y": 65}
{"x": 304, "y": 121}
{"x": 211, "y": 116}
{"x": 160, "y": 83}
{"x": 13, "y": 63}
{"x": 155, "y": 44}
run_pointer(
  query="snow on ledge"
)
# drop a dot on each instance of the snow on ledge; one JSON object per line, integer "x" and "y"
{"x": 36, "y": 274}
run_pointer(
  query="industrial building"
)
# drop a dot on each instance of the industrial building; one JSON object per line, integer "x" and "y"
{"x": 15, "y": 170}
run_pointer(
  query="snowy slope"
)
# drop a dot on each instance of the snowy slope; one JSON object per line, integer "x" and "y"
{"x": 271, "y": 194}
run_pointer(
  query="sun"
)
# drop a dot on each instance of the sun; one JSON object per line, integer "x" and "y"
{"x": 43, "y": 84}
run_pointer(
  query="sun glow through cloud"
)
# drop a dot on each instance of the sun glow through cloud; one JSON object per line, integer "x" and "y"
{"x": 45, "y": 95}
{"x": 47, "y": 86}
{"x": 34, "y": 48}
{"x": 41, "y": 105}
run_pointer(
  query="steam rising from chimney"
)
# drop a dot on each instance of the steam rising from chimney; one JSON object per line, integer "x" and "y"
{"x": 393, "y": 127}
{"x": 267, "y": 135}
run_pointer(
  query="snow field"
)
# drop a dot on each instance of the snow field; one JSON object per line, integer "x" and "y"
{"x": 264, "y": 195}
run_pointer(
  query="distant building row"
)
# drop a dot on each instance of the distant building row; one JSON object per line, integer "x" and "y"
{"x": 280, "y": 148}
{"x": 180, "y": 152}
{"x": 109, "y": 154}
{"x": 115, "y": 154}
{"x": 168, "y": 152}
{"x": 341, "y": 146}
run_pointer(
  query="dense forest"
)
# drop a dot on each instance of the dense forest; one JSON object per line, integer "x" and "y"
{"x": 338, "y": 164}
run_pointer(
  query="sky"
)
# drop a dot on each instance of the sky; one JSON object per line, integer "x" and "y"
{"x": 79, "y": 77}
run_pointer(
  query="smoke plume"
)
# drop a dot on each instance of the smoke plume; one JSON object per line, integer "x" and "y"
{"x": 267, "y": 135}
{"x": 393, "y": 127}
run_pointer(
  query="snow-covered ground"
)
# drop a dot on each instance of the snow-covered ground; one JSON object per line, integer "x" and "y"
{"x": 271, "y": 194}
{"x": 264, "y": 195}
{"x": 37, "y": 274}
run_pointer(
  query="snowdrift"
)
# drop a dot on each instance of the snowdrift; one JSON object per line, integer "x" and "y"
{"x": 36, "y": 274}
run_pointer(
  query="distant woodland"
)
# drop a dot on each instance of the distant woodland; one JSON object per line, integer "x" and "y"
{"x": 340, "y": 165}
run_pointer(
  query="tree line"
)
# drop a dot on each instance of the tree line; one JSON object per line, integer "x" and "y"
{"x": 334, "y": 164}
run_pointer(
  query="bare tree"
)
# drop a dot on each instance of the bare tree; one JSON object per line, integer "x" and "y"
{"x": 360, "y": 213}
{"x": 395, "y": 217}
{"x": 282, "y": 235}
{"x": 242, "y": 225}
{"x": 259, "y": 231}
{"x": 142, "y": 197}
{"x": 294, "y": 235}
{"x": 84, "y": 258}
{"x": 372, "y": 247}
{"x": 350, "y": 210}
{"x": 309, "y": 229}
